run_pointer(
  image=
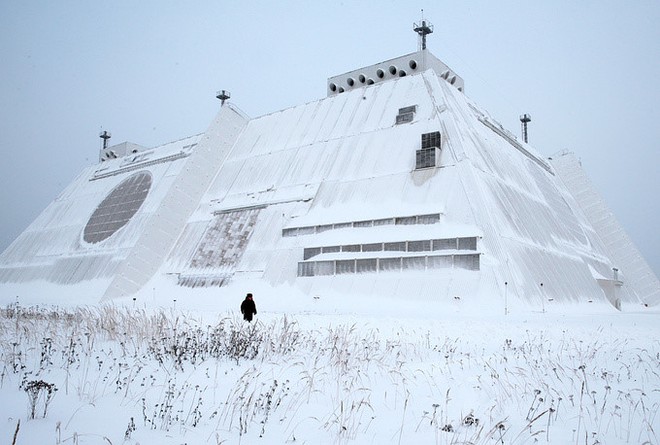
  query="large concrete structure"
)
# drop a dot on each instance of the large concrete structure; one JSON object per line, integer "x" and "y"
{"x": 395, "y": 184}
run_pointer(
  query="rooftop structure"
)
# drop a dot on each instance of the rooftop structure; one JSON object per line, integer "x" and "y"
{"x": 409, "y": 64}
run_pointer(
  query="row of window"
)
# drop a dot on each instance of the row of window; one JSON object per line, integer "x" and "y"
{"x": 371, "y": 265}
{"x": 400, "y": 220}
{"x": 469, "y": 243}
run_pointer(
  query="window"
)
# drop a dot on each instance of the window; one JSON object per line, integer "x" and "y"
{"x": 444, "y": 244}
{"x": 469, "y": 262}
{"x": 342, "y": 225}
{"x": 439, "y": 262}
{"x": 405, "y": 220}
{"x": 428, "y": 219}
{"x": 306, "y": 269}
{"x": 406, "y": 114}
{"x": 425, "y": 158}
{"x": 419, "y": 246}
{"x": 366, "y": 265}
{"x": 388, "y": 264}
{"x": 323, "y": 228}
{"x": 430, "y": 140}
{"x": 306, "y": 230}
{"x": 325, "y": 268}
{"x": 404, "y": 118}
{"x": 290, "y": 232}
{"x": 374, "y": 247}
{"x": 467, "y": 243}
{"x": 395, "y": 247}
{"x": 345, "y": 266}
{"x": 311, "y": 252}
{"x": 414, "y": 263}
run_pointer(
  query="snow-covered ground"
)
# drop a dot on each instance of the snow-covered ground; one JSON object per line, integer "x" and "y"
{"x": 327, "y": 370}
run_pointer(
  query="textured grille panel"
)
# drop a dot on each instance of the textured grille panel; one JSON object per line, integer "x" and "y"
{"x": 425, "y": 158}
{"x": 225, "y": 240}
{"x": 430, "y": 140}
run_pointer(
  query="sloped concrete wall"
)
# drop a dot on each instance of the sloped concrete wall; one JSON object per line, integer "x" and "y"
{"x": 165, "y": 226}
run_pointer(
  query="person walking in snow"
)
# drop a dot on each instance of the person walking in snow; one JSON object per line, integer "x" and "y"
{"x": 248, "y": 308}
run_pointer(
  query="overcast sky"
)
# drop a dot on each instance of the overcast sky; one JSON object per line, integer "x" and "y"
{"x": 587, "y": 72}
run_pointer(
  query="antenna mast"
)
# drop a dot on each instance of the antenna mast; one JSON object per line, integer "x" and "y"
{"x": 105, "y": 135}
{"x": 423, "y": 29}
{"x": 223, "y": 95}
{"x": 524, "y": 120}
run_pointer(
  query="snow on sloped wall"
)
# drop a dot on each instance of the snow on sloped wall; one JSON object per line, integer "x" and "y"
{"x": 638, "y": 278}
{"x": 54, "y": 242}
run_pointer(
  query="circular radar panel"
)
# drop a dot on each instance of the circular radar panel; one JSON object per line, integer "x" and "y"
{"x": 118, "y": 207}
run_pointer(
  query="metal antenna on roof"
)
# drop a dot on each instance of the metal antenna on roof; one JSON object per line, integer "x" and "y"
{"x": 105, "y": 135}
{"x": 223, "y": 96}
{"x": 423, "y": 29}
{"x": 524, "y": 120}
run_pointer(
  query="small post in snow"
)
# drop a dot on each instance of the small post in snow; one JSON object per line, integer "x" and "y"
{"x": 506, "y": 310}
{"x": 542, "y": 299}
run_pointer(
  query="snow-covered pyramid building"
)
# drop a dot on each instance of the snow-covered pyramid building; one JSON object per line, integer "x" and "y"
{"x": 396, "y": 184}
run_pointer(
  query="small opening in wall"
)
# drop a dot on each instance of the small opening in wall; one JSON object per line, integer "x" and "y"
{"x": 332, "y": 87}
{"x": 392, "y": 70}
{"x": 370, "y": 81}
{"x": 350, "y": 81}
{"x": 402, "y": 73}
{"x": 341, "y": 90}
{"x": 380, "y": 74}
{"x": 412, "y": 64}
{"x": 362, "y": 78}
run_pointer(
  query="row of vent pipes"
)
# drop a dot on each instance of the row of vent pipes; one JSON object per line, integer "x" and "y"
{"x": 224, "y": 95}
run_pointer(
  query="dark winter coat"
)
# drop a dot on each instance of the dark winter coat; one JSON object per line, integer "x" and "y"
{"x": 248, "y": 308}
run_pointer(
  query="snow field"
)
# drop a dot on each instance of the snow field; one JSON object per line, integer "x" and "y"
{"x": 129, "y": 376}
